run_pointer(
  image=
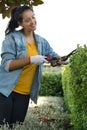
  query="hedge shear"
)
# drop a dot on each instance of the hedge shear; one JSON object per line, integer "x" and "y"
{"x": 58, "y": 60}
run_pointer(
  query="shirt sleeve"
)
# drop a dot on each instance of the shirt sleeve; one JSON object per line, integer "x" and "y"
{"x": 48, "y": 50}
{"x": 8, "y": 51}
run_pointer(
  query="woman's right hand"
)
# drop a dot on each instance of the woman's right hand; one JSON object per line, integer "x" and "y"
{"x": 38, "y": 59}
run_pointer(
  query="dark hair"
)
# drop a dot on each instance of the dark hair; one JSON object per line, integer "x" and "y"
{"x": 16, "y": 16}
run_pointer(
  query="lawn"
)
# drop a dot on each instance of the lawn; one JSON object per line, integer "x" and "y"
{"x": 48, "y": 114}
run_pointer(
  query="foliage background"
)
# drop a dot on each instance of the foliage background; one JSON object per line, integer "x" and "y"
{"x": 51, "y": 84}
{"x": 7, "y": 5}
{"x": 74, "y": 79}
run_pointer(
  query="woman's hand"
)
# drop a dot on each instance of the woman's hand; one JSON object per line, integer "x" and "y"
{"x": 38, "y": 59}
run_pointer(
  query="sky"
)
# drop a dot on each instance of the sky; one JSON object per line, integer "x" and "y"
{"x": 63, "y": 23}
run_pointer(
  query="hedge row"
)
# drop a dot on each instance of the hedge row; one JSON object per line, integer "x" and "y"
{"x": 51, "y": 84}
{"x": 74, "y": 80}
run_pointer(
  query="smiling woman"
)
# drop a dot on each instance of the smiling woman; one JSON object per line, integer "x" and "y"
{"x": 23, "y": 54}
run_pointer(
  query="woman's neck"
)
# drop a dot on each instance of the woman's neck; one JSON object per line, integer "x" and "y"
{"x": 28, "y": 33}
{"x": 29, "y": 37}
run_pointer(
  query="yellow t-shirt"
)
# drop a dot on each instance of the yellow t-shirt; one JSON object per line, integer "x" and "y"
{"x": 26, "y": 78}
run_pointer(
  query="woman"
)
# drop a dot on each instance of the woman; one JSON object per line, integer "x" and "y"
{"x": 23, "y": 54}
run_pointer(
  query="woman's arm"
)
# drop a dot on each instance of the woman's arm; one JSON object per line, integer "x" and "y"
{"x": 19, "y": 63}
{"x": 9, "y": 59}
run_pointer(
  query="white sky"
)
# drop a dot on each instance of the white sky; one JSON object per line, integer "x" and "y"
{"x": 62, "y": 22}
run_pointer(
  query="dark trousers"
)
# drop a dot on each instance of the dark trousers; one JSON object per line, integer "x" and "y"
{"x": 13, "y": 108}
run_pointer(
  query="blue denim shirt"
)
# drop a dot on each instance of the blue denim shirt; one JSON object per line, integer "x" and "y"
{"x": 14, "y": 47}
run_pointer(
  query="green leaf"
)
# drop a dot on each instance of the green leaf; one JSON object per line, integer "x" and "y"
{"x": 37, "y": 2}
{"x": 11, "y": 1}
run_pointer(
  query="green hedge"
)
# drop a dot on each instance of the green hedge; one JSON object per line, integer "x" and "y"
{"x": 74, "y": 80}
{"x": 51, "y": 84}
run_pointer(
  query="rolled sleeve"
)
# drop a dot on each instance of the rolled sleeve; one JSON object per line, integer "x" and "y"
{"x": 7, "y": 64}
{"x": 8, "y": 52}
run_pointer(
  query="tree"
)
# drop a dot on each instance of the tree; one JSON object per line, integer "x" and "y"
{"x": 7, "y": 5}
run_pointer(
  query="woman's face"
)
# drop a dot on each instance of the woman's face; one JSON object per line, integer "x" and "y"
{"x": 29, "y": 21}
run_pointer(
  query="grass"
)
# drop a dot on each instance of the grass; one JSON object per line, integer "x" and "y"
{"x": 48, "y": 114}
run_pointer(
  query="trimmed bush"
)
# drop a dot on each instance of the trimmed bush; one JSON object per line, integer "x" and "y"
{"x": 74, "y": 80}
{"x": 51, "y": 84}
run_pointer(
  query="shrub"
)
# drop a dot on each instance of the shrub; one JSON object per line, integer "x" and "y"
{"x": 51, "y": 84}
{"x": 74, "y": 79}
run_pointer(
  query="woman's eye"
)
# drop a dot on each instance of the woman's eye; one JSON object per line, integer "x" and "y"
{"x": 26, "y": 20}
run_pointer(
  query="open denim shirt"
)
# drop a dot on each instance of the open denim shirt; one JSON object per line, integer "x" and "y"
{"x": 14, "y": 47}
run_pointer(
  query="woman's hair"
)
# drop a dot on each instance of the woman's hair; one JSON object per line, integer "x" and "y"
{"x": 16, "y": 16}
